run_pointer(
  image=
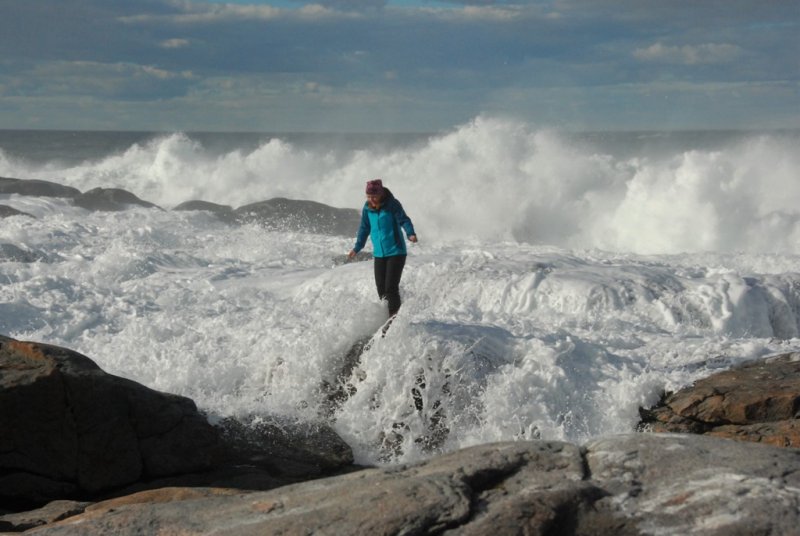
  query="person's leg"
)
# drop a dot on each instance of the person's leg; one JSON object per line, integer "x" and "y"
{"x": 394, "y": 271}
{"x": 380, "y": 275}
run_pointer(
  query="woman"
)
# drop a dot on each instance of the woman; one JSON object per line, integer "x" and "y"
{"x": 382, "y": 218}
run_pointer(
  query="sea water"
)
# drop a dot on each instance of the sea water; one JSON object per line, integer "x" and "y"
{"x": 561, "y": 280}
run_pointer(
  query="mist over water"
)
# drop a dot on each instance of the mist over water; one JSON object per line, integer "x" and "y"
{"x": 561, "y": 280}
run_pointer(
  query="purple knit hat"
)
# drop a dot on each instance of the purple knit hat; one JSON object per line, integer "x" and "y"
{"x": 375, "y": 187}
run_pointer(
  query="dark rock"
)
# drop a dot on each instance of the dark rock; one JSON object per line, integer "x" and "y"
{"x": 622, "y": 485}
{"x": 224, "y": 213}
{"x": 287, "y": 448}
{"x": 36, "y": 188}
{"x": 71, "y": 430}
{"x": 290, "y": 215}
{"x": 109, "y": 199}
{"x": 758, "y": 401}
{"x": 6, "y": 211}
{"x": 12, "y": 253}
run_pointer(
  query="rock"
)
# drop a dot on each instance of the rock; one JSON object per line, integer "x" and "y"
{"x": 159, "y": 496}
{"x": 778, "y": 434}
{"x": 71, "y": 430}
{"x": 224, "y": 213}
{"x": 759, "y": 401}
{"x": 685, "y": 484}
{"x": 301, "y": 216}
{"x": 12, "y": 253}
{"x": 622, "y": 485}
{"x": 36, "y": 188}
{"x": 109, "y": 199}
{"x": 6, "y": 212}
{"x": 286, "y": 448}
{"x": 52, "y": 512}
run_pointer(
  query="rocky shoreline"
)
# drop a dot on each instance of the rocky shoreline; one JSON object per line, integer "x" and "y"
{"x": 86, "y": 452}
{"x": 278, "y": 213}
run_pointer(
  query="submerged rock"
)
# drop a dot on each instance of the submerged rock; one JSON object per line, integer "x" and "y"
{"x": 12, "y": 253}
{"x": 35, "y": 187}
{"x": 291, "y": 215}
{"x": 759, "y": 401}
{"x": 622, "y": 485}
{"x": 6, "y": 211}
{"x": 109, "y": 200}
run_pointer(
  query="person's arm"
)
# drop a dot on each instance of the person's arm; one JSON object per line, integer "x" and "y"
{"x": 404, "y": 221}
{"x": 363, "y": 233}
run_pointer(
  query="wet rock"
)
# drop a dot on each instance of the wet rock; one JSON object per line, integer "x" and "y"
{"x": 222, "y": 212}
{"x": 36, "y": 188}
{"x": 291, "y": 215}
{"x": 759, "y": 401}
{"x": 622, "y": 485}
{"x": 286, "y": 448}
{"x": 71, "y": 430}
{"x": 6, "y": 212}
{"x": 109, "y": 200}
{"x": 12, "y": 253}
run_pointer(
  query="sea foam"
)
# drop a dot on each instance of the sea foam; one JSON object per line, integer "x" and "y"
{"x": 494, "y": 179}
{"x": 555, "y": 290}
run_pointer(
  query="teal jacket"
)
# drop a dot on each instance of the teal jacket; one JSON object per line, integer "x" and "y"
{"x": 383, "y": 227}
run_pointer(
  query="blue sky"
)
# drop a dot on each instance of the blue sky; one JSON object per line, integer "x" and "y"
{"x": 398, "y": 65}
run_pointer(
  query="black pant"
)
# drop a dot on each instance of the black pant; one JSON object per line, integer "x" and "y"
{"x": 388, "y": 271}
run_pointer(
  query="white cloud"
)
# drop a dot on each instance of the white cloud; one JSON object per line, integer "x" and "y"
{"x": 174, "y": 43}
{"x": 206, "y": 13}
{"x": 194, "y": 12}
{"x": 689, "y": 55}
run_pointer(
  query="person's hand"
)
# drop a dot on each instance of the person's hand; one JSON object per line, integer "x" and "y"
{"x": 413, "y": 238}
{"x": 352, "y": 254}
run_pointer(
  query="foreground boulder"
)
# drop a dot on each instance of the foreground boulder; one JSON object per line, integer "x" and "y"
{"x": 759, "y": 402}
{"x": 623, "y": 485}
{"x": 70, "y": 430}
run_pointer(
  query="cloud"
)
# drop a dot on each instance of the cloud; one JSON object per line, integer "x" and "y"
{"x": 187, "y": 12}
{"x": 100, "y": 80}
{"x": 705, "y": 54}
{"x": 174, "y": 43}
{"x": 351, "y": 5}
{"x": 423, "y": 58}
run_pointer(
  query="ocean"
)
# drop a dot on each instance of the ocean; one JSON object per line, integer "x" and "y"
{"x": 561, "y": 280}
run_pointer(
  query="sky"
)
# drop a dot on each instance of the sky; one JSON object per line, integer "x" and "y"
{"x": 398, "y": 65}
